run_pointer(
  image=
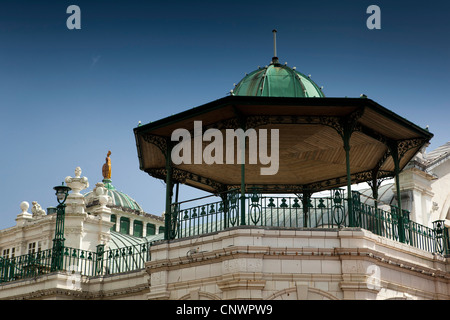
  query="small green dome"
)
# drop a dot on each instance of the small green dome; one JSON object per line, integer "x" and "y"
{"x": 277, "y": 80}
{"x": 118, "y": 199}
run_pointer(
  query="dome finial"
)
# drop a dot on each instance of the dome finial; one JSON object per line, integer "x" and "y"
{"x": 275, "y": 58}
{"x": 106, "y": 169}
{"x": 274, "y": 42}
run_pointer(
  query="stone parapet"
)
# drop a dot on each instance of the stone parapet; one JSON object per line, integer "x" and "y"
{"x": 269, "y": 263}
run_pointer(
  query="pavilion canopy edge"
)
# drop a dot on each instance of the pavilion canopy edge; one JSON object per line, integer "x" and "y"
{"x": 397, "y": 136}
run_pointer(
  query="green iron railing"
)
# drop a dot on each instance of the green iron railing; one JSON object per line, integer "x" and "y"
{"x": 123, "y": 259}
{"x": 83, "y": 262}
{"x": 42, "y": 262}
{"x": 264, "y": 211}
{"x": 310, "y": 212}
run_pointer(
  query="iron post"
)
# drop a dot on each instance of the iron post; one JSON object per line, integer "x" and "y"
{"x": 346, "y": 137}
{"x": 169, "y": 186}
{"x": 58, "y": 242}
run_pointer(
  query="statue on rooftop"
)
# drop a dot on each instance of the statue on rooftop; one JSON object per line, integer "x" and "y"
{"x": 37, "y": 210}
{"x": 106, "y": 170}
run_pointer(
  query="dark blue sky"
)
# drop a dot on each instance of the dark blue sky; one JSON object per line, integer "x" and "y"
{"x": 69, "y": 96}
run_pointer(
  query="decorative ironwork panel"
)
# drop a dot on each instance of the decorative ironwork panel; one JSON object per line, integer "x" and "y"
{"x": 441, "y": 237}
{"x": 160, "y": 142}
{"x": 356, "y": 203}
{"x": 404, "y": 146}
{"x": 233, "y": 207}
{"x": 338, "y": 208}
{"x": 255, "y": 207}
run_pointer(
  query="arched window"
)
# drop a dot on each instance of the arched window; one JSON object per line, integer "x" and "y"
{"x": 151, "y": 229}
{"x": 113, "y": 219}
{"x": 124, "y": 225}
{"x": 138, "y": 228}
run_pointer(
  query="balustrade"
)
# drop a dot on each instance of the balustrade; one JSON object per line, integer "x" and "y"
{"x": 261, "y": 211}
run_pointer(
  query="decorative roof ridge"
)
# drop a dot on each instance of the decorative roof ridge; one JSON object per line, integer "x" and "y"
{"x": 438, "y": 153}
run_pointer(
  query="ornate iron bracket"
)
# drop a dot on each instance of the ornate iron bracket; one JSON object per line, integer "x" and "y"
{"x": 160, "y": 142}
{"x": 180, "y": 176}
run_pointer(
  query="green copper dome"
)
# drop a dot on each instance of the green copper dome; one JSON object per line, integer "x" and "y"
{"x": 118, "y": 199}
{"x": 277, "y": 80}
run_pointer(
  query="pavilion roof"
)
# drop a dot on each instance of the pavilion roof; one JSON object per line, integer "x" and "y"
{"x": 311, "y": 132}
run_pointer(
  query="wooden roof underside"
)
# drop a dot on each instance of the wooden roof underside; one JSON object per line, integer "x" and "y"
{"x": 311, "y": 148}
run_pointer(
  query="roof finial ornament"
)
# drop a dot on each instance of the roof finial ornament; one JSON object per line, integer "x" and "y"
{"x": 274, "y": 42}
{"x": 275, "y": 58}
{"x": 106, "y": 169}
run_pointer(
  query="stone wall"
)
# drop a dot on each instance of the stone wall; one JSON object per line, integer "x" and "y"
{"x": 69, "y": 285}
{"x": 255, "y": 263}
{"x": 263, "y": 264}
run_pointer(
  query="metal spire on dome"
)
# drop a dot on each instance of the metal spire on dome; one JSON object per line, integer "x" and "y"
{"x": 274, "y": 42}
{"x": 275, "y": 57}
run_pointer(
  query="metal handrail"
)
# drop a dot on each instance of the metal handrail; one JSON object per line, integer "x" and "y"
{"x": 320, "y": 212}
{"x": 83, "y": 262}
{"x": 262, "y": 210}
